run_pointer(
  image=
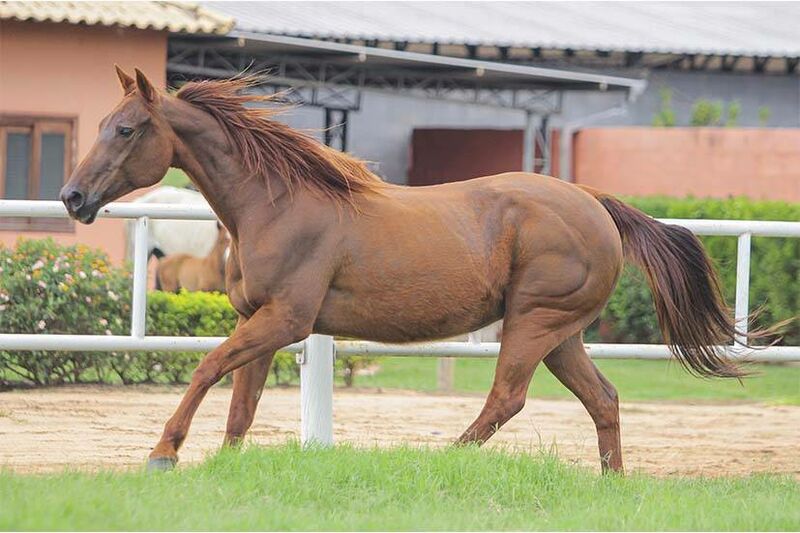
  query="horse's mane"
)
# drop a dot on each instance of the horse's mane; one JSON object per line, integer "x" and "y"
{"x": 268, "y": 146}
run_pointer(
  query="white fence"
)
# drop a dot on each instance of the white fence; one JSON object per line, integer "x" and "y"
{"x": 316, "y": 354}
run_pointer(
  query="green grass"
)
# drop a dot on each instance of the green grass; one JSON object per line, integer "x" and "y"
{"x": 287, "y": 488}
{"x": 635, "y": 380}
{"x": 175, "y": 177}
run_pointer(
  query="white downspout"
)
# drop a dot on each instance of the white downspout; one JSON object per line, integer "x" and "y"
{"x": 569, "y": 129}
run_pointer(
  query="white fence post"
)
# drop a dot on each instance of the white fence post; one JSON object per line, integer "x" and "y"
{"x": 742, "y": 309}
{"x": 139, "y": 296}
{"x": 316, "y": 391}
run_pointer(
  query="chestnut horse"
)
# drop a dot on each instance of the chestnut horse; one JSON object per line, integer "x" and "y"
{"x": 184, "y": 271}
{"x": 320, "y": 244}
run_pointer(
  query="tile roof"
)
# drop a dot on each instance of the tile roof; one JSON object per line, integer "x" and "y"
{"x": 176, "y": 17}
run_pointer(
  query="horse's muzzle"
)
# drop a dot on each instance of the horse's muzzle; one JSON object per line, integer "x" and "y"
{"x": 77, "y": 205}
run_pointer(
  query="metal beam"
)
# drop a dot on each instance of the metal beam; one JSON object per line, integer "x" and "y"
{"x": 338, "y": 85}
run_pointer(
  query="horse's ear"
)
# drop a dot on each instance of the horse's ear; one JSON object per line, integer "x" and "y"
{"x": 128, "y": 83}
{"x": 146, "y": 88}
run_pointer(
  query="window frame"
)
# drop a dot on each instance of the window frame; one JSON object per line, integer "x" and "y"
{"x": 36, "y": 126}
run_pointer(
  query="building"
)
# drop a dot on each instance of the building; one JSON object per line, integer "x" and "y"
{"x": 429, "y": 91}
{"x": 57, "y": 82}
{"x": 744, "y": 52}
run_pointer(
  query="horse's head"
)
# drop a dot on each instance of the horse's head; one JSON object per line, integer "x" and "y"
{"x": 134, "y": 149}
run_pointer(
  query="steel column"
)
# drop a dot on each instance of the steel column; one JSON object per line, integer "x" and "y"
{"x": 529, "y": 143}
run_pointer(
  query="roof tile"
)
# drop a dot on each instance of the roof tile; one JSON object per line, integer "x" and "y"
{"x": 176, "y": 17}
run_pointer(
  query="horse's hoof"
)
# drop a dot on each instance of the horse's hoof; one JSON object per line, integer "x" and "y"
{"x": 161, "y": 464}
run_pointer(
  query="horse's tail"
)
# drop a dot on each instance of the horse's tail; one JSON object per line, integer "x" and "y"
{"x": 692, "y": 314}
{"x": 159, "y": 254}
{"x": 158, "y": 281}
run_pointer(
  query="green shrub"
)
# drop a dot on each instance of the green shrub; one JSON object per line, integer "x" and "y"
{"x": 49, "y": 288}
{"x": 196, "y": 314}
{"x": 774, "y": 269}
{"x": 665, "y": 117}
{"x": 764, "y": 113}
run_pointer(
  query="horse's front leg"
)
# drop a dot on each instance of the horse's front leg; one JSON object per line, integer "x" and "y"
{"x": 270, "y": 328}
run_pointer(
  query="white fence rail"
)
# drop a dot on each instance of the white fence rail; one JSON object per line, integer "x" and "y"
{"x": 316, "y": 354}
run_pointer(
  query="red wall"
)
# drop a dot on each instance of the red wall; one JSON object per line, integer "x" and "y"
{"x": 761, "y": 163}
{"x": 445, "y": 155}
{"x": 65, "y": 70}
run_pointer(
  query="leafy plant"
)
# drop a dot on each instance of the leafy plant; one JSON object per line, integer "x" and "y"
{"x": 764, "y": 113}
{"x": 706, "y": 113}
{"x": 49, "y": 288}
{"x": 665, "y": 117}
{"x": 734, "y": 110}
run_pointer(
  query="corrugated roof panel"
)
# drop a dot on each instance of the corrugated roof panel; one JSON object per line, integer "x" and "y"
{"x": 733, "y": 28}
{"x": 178, "y": 17}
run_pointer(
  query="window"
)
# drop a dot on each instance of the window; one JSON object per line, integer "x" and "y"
{"x": 35, "y": 161}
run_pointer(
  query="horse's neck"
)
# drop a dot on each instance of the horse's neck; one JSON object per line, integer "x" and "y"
{"x": 204, "y": 152}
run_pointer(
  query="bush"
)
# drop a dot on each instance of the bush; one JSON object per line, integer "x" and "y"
{"x": 48, "y": 288}
{"x": 188, "y": 314}
{"x": 774, "y": 269}
{"x": 197, "y": 314}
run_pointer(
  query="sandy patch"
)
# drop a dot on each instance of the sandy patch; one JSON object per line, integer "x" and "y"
{"x": 95, "y": 427}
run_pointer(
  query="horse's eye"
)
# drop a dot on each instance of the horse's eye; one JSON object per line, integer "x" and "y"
{"x": 125, "y": 131}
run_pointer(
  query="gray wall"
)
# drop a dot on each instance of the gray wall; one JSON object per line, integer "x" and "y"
{"x": 780, "y": 93}
{"x": 381, "y": 130}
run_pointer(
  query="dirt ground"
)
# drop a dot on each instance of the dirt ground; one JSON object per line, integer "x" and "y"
{"x": 97, "y": 427}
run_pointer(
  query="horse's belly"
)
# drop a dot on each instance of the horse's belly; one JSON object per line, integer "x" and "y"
{"x": 390, "y": 319}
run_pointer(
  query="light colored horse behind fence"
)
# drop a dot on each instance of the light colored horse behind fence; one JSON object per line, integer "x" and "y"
{"x": 185, "y": 271}
{"x": 169, "y": 237}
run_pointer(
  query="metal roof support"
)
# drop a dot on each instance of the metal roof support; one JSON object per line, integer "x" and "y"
{"x": 336, "y": 128}
{"x": 543, "y": 138}
{"x": 333, "y": 75}
{"x": 528, "y": 142}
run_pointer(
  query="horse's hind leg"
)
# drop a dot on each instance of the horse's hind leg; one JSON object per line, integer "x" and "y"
{"x": 527, "y": 339}
{"x": 570, "y": 364}
{"x": 248, "y": 384}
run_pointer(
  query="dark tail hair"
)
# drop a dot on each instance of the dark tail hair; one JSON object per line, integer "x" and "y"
{"x": 159, "y": 254}
{"x": 692, "y": 313}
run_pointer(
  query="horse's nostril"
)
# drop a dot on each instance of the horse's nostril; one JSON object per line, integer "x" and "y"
{"x": 74, "y": 200}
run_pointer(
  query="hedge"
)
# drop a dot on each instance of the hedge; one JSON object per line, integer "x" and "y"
{"x": 774, "y": 269}
{"x": 50, "y": 288}
{"x": 47, "y": 288}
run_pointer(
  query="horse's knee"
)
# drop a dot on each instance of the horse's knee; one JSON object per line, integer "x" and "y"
{"x": 205, "y": 376}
